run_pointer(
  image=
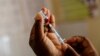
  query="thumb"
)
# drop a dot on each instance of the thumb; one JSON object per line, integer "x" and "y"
{"x": 39, "y": 25}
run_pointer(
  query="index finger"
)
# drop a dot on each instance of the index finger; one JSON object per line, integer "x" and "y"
{"x": 52, "y": 20}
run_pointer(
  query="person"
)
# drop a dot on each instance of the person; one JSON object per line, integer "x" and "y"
{"x": 44, "y": 42}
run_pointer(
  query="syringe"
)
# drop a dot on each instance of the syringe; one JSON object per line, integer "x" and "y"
{"x": 52, "y": 28}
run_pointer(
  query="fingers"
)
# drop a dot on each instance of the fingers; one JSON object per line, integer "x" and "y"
{"x": 39, "y": 22}
{"x": 52, "y": 20}
{"x": 77, "y": 43}
{"x": 39, "y": 25}
{"x": 81, "y": 44}
{"x": 78, "y": 40}
{"x": 50, "y": 33}
{"x": 54, "y": 40}
{"x": 37, "y": 31}
{"x": 46, "y": 12}
{"x": 37, "y": 28}
{"x": 69, "y": 51}
{"x": 50, "y": 16}
{"x": 73, "y": 39}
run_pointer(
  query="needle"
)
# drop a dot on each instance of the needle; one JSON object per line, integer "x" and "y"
{"x": 54, "y": 30}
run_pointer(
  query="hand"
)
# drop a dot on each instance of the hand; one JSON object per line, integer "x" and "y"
{"x": 45, "y": 42}
{"x": 82, "y": 45}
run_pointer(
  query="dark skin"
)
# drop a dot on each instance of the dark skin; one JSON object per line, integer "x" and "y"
{"x": 82, "y": 46}
{"x": 44, "y": 42}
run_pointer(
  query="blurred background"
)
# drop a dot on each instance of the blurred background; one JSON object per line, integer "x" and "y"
{"x": 73, "y": 17}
